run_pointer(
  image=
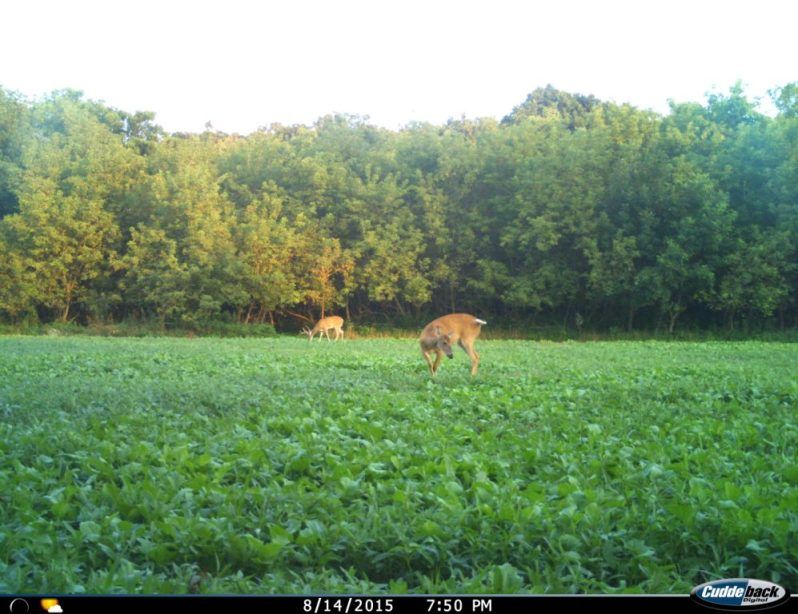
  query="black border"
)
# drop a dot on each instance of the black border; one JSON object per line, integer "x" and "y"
{"x": 400, "y": 604}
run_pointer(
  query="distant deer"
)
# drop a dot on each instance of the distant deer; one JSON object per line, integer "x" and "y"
{"x": 439, "y": 335}
{"x": 323, "y": 326}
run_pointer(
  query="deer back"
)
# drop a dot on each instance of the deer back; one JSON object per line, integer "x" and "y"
{"x": 456, "y": 325}
{"x": 329, "y": 322}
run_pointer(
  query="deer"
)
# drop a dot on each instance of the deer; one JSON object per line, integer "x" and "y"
{"x": 439, "y": 335}
{"x": 325, "y": 325}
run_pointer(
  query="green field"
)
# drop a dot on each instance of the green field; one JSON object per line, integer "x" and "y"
{"x": 276, "y": 466}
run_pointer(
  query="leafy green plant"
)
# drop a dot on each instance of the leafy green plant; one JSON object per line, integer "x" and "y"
{"x": 151, "y": 465}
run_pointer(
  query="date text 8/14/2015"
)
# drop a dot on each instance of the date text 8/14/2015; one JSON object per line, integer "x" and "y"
{"x": 376, "y": 605}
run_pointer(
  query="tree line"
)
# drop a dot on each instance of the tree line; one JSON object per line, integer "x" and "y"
{"x": 569, "y": 209}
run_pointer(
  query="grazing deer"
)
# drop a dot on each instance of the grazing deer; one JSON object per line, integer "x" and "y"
{"x": 439, "y": 335}
{"x": 323, "y": 326}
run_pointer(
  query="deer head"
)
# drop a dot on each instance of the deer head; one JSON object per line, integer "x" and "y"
{"x": 444, "y": 342}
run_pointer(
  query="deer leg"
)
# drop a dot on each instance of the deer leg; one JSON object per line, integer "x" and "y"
{"x": 429, "y": 361}
{"x": 438, "y": 356}
{"x": 472, "y": 354}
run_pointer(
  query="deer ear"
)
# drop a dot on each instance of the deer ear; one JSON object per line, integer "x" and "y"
{"x": 437, "y": 331}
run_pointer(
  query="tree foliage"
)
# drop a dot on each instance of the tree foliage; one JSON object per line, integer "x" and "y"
{"x": 570, "y": 210}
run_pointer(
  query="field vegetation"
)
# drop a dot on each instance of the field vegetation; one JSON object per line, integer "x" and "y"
{"x": 163, "y": 465}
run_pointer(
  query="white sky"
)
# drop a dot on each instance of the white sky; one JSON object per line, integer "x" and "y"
{"x": 247, "y": 63}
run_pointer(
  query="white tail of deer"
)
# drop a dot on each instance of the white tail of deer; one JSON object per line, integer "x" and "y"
{"x": 440, "y": 335}
{"x": 324, "y": 325}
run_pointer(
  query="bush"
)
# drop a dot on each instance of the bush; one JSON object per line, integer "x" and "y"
{"x": 132, "y": 328}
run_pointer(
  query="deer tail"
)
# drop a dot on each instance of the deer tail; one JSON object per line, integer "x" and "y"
{"x": 480, "y": 322}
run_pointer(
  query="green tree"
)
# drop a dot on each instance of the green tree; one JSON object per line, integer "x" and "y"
{"x": 65, "y": 240}
{"x": 269, "y": 249}
{"x": 190, "y": 208}
{"x": 155, "y": 280}
{"x": 327, "y": 272}
{"x": 574, "y": 110}
{"x": 752, "y": 277}
{"x": 66, "y": 233}
{"x": 15, "y": 129}
{"x": 17, "y": 282}
{"x": 571, "y": 210}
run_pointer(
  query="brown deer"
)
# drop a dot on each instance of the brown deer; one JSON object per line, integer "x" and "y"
{"x": 323, "y": 326}
{"x": 439, "y": 335}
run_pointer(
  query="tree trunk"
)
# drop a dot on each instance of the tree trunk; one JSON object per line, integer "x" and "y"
{"x": 567, "y": 315}
{"x": 299, "y": 315}
{"x": 65, "y": 314}
{"x": 70, "y": 285}
{"x": 672, "y": 321}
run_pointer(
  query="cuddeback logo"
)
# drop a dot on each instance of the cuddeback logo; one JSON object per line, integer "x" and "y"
{"x": 739, "y": 594}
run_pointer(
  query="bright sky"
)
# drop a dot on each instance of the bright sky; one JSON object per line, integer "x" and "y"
{"x": 242, "y": 64}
